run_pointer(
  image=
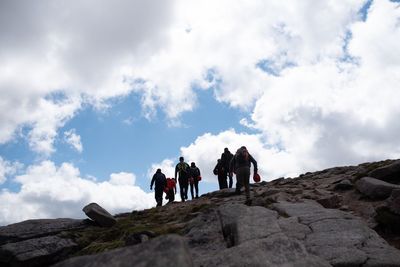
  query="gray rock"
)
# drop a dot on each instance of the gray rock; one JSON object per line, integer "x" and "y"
{"x": 308, "y": 211}
{"x": 275, "y": 250}
{"x": 292, "y": 228}
{"x": 344, "y": 185}
{"x": 241, "y": 223}
{"x": 163, "y": 251}
{"x": 227, "y": 192}
{"x": 338, "y": 237}
{"x": 388, "y": 173}
{"x": 394, "y": 202}
{"x": 139, "y": 237}
{"x": 386, "y": 217}
{"x": 330, "y": 201}
{"x": 205, "y": 238}
{"x": 37, "y": 228}
{"x": 374, "y": 188}
{"x": 36, "y": 252}
{"x": 98, "y": 214}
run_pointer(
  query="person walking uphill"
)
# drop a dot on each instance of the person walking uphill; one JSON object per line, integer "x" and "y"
{"x": 218, "y": 170}
{"x": 194, "y": 178}
{"x": 240, "y": 164}
{"x": 182, "y": 168}
{"x": 160, "y": 182}
{"x": 226, "y": 158}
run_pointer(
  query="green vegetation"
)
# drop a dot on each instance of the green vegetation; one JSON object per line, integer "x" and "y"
{"x": 164, "y": 220}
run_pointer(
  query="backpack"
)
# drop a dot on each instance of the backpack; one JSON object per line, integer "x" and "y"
{"x": 242, "y": 155}
{"x": 183, "y": 167}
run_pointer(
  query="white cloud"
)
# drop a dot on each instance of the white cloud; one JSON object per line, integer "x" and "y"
{"x": 312, "y": 107}
{"x": 50, "y": 191}
{"x": 8, "y": 168}
{"x": 207, "y": 149}
{"x": 74, "y": 140}
{"x": 122, "y": 178}
{"x": 167, "y": 167}
{"x": 53, "y": 47}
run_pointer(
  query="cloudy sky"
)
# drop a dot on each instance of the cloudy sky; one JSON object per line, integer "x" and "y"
{"x": 95, "y": 95}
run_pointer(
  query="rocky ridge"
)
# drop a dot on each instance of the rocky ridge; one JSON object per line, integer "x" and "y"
{"x": 342, "y": 216}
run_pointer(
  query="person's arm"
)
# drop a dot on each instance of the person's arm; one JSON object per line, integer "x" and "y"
{"x": 152, "y": 182}
{"x": 254, "y": 163}
{"x": 164, "y": 181}
{"x": 232, "y": 165}
{"x": 198, "y": 170}
{"x": 176, "y": 170}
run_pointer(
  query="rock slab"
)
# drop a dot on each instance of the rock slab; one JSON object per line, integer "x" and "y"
{"x": 37, "y": 228}
{"x": 164, "y": 251}
{"x": 374, "y": 188}
{"x": 98, "y": 214}
{"x": 338, "y": 237}
{"x": 36, "y": 251}
{"x": 389, "y": 173}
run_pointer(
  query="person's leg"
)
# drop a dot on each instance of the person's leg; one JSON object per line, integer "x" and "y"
{"x": 242, "y": 177}
{"x": 191, "y": 190}
{"x": 230, "y": 181}
{"x": 182, "y": 188}
{"x": 246, "y": 180}
{"x": 158, "y": 193}
{"x": 239, "y": 182}
{"x": 220, "y": 182}
{"x": 171, "y": 195}
{"x": 196, "y": 186}
{"x": 223, "y": 181}
{"x": 186, "y": 187}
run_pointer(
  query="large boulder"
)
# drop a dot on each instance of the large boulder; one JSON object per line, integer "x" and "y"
{"x": 37, "y": 228}
{"x": 394, "y": 202}
{"x": 388, "y": 173}
{"x": 98, "y": 214}
{"x": 345, "y": 184}
{"x": 241, "y": 223}
{"x": 374, "y": 188}
{"x": 389, "y": 213}
{"x": 338, "y": 237}
{"x": 276, "y": 250}
{"x": 36, "y": 251}
{"x": 164, "y": 251}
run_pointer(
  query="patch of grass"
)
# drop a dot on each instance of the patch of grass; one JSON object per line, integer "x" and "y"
{"x": 160, "y": 221}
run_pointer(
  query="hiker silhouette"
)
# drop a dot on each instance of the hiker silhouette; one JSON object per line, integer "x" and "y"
{"x": 194, "y": 178}
{"x": 226, "y": 158}
{"x": 182, "y": 171}
{"x": 218, "y": 170}
{"x": 160, "y": 182}
{"x": 240, "y": 165}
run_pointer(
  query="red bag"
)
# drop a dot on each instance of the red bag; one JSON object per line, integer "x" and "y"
{"x": 256, "y": 177}
{"x": 198, "y": 178}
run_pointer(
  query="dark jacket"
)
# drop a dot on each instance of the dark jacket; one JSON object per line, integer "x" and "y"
{"x": 236, "y": 163}
{"x": 194, "y": 172}
{"x": 218, "y": 169}
{"x": 160, "y": 181}
{"x": 183, "y": 169}
{"x": 226, "y": 158}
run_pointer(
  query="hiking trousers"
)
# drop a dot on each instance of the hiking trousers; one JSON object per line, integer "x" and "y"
{"x": 222, "y": 181}
{"x": 195, "y": 184}
{"x": 183, "y": 187}
{"x": 226, "y": 174}
{"x": 243, "y": 179}
{"x": 171, "y": 195}
{"x": 158, "y": 193}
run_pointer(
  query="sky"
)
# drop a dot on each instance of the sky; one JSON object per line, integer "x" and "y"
{"x": 96, "y": 95}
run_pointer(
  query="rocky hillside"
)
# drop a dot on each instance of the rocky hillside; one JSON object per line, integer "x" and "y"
{"x": 343, "y": 216}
